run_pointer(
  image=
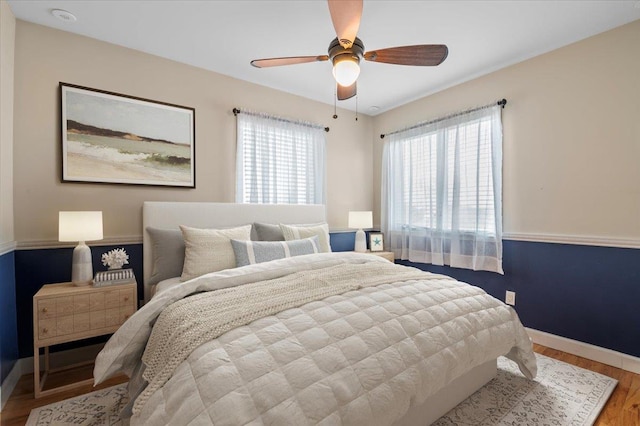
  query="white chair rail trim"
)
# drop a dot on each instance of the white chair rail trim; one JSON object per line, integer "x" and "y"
{"x": 7, "y": 247}
{"x": 48, "y": 244}
{"x": 511, "y": 236}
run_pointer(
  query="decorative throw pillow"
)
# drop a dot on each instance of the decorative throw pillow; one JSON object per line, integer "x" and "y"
{"x": 296, "y": 232}
{"x": 210, "y": 250}
{"x": 250, "y": 252}
{"x": 268, "y": 232}
{"x": 167, "y": 254}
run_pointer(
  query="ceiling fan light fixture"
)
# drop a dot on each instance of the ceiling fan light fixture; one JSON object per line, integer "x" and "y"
{"x": 346, "y": 69}
{"x": 346, "y": 50}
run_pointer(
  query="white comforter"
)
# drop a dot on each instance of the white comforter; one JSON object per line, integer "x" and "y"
{"x": 362, "y": 357}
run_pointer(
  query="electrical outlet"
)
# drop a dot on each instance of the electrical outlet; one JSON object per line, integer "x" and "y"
{"x": 510, "y": 298}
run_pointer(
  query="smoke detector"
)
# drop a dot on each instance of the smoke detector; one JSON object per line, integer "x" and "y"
{"x": 63, "y": 15}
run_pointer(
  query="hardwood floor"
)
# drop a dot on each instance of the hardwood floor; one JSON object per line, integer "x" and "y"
{"x": 622, "y": 409}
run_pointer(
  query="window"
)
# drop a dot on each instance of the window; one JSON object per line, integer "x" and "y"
{"x": 442, "y": 191}
{"x": 279, "y": 161}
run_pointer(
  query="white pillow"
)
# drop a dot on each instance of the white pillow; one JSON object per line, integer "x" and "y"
{"x": 210, "y": 250}
{"x": 296, "y": 232}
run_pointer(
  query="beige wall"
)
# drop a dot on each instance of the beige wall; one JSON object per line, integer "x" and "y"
{"x": 571, "y": 146}
{"x": 571, "y": 136}
{"x": 7, "y": 43}
{"x": 45, "y": 57}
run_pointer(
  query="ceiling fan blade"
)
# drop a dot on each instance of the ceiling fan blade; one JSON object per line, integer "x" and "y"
{"x": 346, "y": 15}
{"x": 421, "y": 55}
{"x": 276, "y": 62}
{"x": 346, "y": 92}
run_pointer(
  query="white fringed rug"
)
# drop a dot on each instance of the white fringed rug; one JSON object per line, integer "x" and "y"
{"x": 562, "y": 394}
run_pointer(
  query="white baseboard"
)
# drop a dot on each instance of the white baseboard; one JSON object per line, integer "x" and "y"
{"x": 586, "y": 350}
{"x": 10, "y": 382}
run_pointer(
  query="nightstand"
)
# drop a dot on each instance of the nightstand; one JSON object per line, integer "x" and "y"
{"x": 386, "y": 254}
{"x": 66, "y": 313}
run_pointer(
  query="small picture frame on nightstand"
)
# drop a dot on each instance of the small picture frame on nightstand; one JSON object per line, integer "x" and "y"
{"x": 376, "y": 241}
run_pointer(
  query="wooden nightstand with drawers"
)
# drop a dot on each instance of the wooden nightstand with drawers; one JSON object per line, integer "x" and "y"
{"x": 66, "y": 313}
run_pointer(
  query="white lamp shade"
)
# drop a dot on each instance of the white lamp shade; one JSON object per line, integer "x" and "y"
{"x": 360, "y": 220}
{"x": 80, "y": 226}
{"x": 346, "y": 71}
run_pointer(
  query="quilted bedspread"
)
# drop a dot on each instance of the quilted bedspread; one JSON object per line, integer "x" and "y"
{"x": 361, "y": 357}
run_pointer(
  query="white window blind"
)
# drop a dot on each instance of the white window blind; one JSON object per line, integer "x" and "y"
{"x": 442, "y": 191}
{"x": 279, "y": 161}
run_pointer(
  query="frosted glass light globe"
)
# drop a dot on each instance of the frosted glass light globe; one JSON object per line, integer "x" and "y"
{"x": 346, "y": 71}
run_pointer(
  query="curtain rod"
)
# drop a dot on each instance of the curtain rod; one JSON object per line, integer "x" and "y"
{"x": 501, "y": 102}
{"x": 237, "y": 111}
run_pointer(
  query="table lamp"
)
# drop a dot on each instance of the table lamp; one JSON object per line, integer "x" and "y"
{"x": 359, "y": 220}
{"x": 81, "y": 227}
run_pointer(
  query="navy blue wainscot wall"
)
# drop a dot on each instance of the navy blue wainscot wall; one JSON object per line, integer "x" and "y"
{"x": 8, "y": 319}
{"x": 585, "y": 293}
{"x": 342, "y": 241}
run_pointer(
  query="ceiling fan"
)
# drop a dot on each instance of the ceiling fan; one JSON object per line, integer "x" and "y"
{"x": 346, "y": 51}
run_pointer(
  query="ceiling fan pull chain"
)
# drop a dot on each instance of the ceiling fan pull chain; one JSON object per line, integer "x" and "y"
{"x": 335, "y": 97}
{"x": 356, "y": 107}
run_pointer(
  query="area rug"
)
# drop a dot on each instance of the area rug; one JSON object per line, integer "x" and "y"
{"x": 562, "y": 394}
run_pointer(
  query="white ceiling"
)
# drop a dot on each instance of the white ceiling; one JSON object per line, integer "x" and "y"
{"x": 224, "y": 36}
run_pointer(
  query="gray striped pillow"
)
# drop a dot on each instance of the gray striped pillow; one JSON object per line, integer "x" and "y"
{"x": 250, "y": 252}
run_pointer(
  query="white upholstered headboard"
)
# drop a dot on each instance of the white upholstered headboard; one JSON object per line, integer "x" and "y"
{"x": 170, "y": 215}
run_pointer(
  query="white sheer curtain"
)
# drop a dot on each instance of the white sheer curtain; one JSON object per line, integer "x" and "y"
{"x": 442, "y": 191}
{"x": 279, "y": 161}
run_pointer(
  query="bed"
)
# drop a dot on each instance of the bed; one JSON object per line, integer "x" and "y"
{"x": 376, "y": 343}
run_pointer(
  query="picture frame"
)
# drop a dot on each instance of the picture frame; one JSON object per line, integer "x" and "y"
{"x": 113, "y": 138}
{"x": 376, "y": 241}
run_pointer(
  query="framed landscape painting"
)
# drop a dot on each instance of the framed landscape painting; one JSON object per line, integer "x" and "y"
{"x": 112, "y": 138}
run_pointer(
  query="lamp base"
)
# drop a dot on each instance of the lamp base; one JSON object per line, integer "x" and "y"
{"x": 361, "y": 241}
{"x": 81, "y": 268}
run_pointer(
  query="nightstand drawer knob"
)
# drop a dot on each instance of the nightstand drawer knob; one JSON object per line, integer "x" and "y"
{"x": 45, "y": 310}
{"x": 126, "y": 299}
{"x": 45, "y": 330}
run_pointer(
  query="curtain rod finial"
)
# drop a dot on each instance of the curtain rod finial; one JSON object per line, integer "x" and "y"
{"x": 502, "y": 102}
{"x": 236, "y": 111}
{"x": 382, "y": 136}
